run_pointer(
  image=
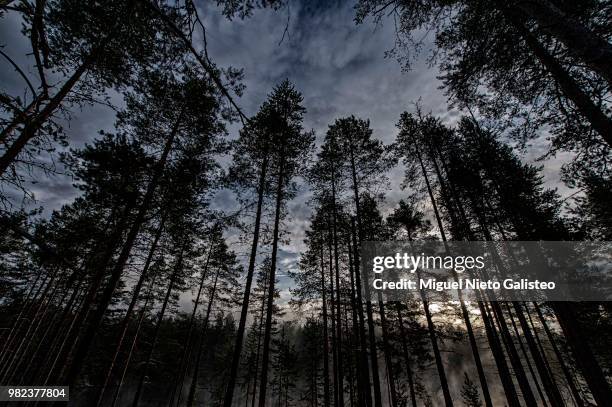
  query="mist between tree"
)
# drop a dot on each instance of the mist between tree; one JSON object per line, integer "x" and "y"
{"x": 489, "y": 271}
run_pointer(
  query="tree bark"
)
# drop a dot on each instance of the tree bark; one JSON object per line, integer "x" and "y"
{"x": 175, "y": 272}
{"x": 28, "y": 303}
{"x": 73, "y": 303}
{"x": 326, "y": 400}
{"x": 33, "y": 125}
{"x": 82, "y": 347}
{"x": 369, "y": 312}
{"x": 191, "y": 398}
{"x": 31, "y": 368}
{"x": 128, "y": 360}
{"x": 262, "y": 311}
{"x": 550, "y": 388}
{"x": 184, "y": 364}
{"x": 271, "y": 283}
{"x": 573, "y": 332}
{"x": 409, "y": 373}
{"x": 387, "y": 351}
{"x": 495, "y": 342}
{"x": 498, "y": 315}
{"x": 360, "y": 361}
{"x": 591, "y": 112}
{"x": 526, "y": 355}
{"x": 34, "y": 323}
{"x": 340, "y": 374}
{"x": 125, "y": 322}
{"x": 229, "y": 394}
{"x": 443, "y": 381}
{"x": 333, "y": 319}
{"x": 466, "y": 316}
{"x": 581, "y": 42}
{"x": 566, "y": 372}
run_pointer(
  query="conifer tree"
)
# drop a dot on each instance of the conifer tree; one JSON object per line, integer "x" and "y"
{"x": 185, "y": 132}
{"x": 366, "y": 160}
{"x": 219, "y": 287}
{"x": 469, "y": 393}
{"x": 274, "y": 138}
{"x": 94, "y": 46}
{"x": 542, "y": 37}
{"x": 290, "y": 145}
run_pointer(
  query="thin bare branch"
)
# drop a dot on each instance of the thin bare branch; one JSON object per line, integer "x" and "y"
{"x": 18, "y": 69}
{"x": 36, "y": 39}
{"x": 286, "y": 30}
{"x": 198, "y": 21}
{"x": 203, "y": 61}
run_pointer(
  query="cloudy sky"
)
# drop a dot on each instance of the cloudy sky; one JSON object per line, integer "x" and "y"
{"x": 339, "y": 67}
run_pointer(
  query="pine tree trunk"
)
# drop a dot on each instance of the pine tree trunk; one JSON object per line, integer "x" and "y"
{"x": 466, "y": 316}
{"x": 22, "y": 367}
{"x": 549, "y": 387}
{"x": 359, "y": 360}
{"x": 125, "y": 322}
{"x": 499, "y": 317}
{"x": 31, "y": 368}
{"x": 184, "y": 363}
{"x": 436, "y": 350}
{"x": 359, "y": 305}
{"x": 349, "y": 345}
{"x": 582, "y": 43}
{"x": 65, "y": 341}
{"x": 493, "y": 338}
{"x": 526, "y": 355}
{"x": 24, "y": 338}
{"x": 583, "y": 354}
{"x": 387, "y": 351}
{"x": 143, "y": 376}
{"x": 128, "y": 359}
{"x": 314, "y": 388}
{"x": 543, "y": 352}
{"x": 271, "y": 283}
{"x": 34, "y": 124}
{"x": 99, "y": 263}
{"x": 498, "y": 314}
{"x": 515, "y": 360}
{"x": 333, "y": 320}
{"x": 27, "y": 302}
{"x": 587, "y": 108}
{"x": 326, "y": 398}
{"x": 443, "y": 382}
{"x": 340, "y": 373}
{"x": 262, "y": 311}
{"x": 83, "y": 346}
{"x": 566, "y": 372}
{"x": 23, "y": 315}
{"x": 73, "y": 303}
{"x": 409, "y": 373}
{"x": 369, "y": 312}
{"x": 510, "y": 391}
{"x": 229, "y": 394}
{"x": 191, "y": 398}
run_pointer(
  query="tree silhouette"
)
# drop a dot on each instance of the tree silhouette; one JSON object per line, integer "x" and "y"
{"x": 208, "y": 261}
